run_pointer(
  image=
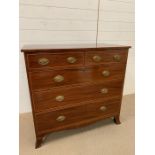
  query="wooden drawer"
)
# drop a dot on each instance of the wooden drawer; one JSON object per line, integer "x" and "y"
{"x": 105, "y": 72}
{"x": 70, "y": 117}
{"x": 50, "y": 60}
{"x": 108, "y": 56}
{"x": 45, "y": 80}
{"x": 60, "y": 97}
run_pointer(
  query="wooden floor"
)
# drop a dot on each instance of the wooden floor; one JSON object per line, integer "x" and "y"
{"x": 102, "y": 138}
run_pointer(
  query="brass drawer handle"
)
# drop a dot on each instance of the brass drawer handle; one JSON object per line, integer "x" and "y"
{"x": 71, "y": 60}
{"x": 59, "y": 98}
{"x": 104, "y": 90}
{"x": 105, "y": 73}
{"x": 103, "y": 108}
{"x": 97, "y": 58}
{"x": 43, "y": 61}
{"x": 58, "y": 78}
{"x": 117, "y": 57}
{"x": 61, "y": 118}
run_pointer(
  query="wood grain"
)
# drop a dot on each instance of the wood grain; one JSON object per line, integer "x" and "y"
{"x": 55, "y": 60}
{"x": 74, "y": 95}
{"x": 106, "y": 56}
{"x": 48, "y": 121}
{"x": 81, "y": 87}
{"x": 42, "y": 80}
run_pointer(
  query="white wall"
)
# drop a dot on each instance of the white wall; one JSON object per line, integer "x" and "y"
{"x": 74, "y": 21}
{"x": 116, "y": 26}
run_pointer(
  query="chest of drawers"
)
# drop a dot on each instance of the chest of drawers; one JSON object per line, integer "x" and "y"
{"x": 73, "y": 86}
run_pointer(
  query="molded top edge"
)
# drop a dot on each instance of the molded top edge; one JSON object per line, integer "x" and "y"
{"x": 45, "y": 47}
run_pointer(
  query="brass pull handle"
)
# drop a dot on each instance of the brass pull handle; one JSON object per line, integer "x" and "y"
{"x": 103, "y": 108}
{"x": 71, "y": 60}
{"x": 61, "y": 118}
{"x": 117, "y": 57}
{"x": 58, "y": 78}
{"x": 43, "y": 61}
{"x": 106, "y": 73}
{"x": 59, "y": 98}
{"x": 104, "y": 90}
{"x": 97, "y": 58}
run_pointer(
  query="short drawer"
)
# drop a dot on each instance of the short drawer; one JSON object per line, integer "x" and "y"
{"x": 105, "y": 72}
{"x": 66, "y": 118}
{"x": 61, "y": 97}
{"x": 50, "y": 60}
{"x": 108, "y": 56}
{"x": 42, "y": 80}
{"x": 54, "y": 78}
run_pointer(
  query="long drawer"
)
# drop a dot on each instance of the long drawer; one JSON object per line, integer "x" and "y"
{"x": 71, "y": 117}
{"x": 55, "y": 78}
{"x": 61, "y": 97}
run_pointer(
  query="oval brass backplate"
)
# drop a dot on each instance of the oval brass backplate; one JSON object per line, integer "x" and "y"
{"x": 105, "y": 73}
{"x": 104, "y": 90}
{"x": 58, "y": 78}
{"x": 43, "y": 61}
{"x": 61, "y": 118}
{"x": 117, "y": 57}
{"x": 97, "y": 58}
{"x": 71, "y": 60}
{"x": 103, "y": 108}
{"x": 59, "y": 98}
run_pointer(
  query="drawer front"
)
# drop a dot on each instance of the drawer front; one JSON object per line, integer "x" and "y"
{"x": 55, "y": 60}
{"x": 111, "y": 56}
{"x": 49, "y": 79}
{"x": 105, "y": 72}
{"x": 62, "y": 119}
{"x": 61, "y": 97}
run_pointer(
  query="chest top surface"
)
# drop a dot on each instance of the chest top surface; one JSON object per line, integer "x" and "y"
{"x": 76, "y": 47}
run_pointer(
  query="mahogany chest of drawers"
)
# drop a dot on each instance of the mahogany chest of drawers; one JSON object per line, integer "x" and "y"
{"x": 73, "y": 86}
